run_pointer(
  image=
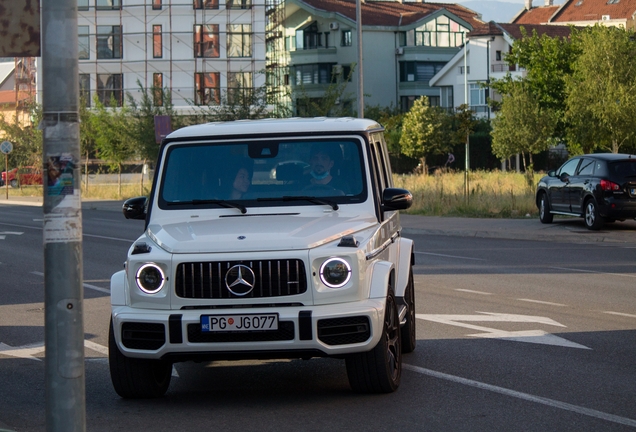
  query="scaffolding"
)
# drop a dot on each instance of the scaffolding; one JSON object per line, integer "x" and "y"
{"x": 25, "y": 89}
{"x": 277, "y": 71}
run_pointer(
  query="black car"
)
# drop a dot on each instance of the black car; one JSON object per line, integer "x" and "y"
{"x": 597, "y": 187}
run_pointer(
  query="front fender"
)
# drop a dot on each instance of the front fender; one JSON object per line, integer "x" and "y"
{"x": 381, "y": 275}
{"x": 118, "y": 289}
{"x": 405, "y": 259}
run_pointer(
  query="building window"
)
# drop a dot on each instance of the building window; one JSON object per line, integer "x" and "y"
{"x": 83, "y": 42}
{"x": 82, "y": 5}
{"x": 157, "y": 89}
{"x": 309, "y": 37}
{"x": 440, "y": 32}
{"x": 109, "y": 42}
{"x": 239, "y": 40}
{"x": 419, "y": 71}
{"x": 239, "y": 87}
{"x": 346, "y": 38}
{"x": 206, "y": 41}
{"x": 108, "y": 4}
{"x": 477, "y": 95}
{"x": 110, "y": 89}
{"x": 497, "y": 55}
{"x": 346, "y": 73}
{"x": 85, "y": 88}
{"x": 208, "y": 88}
{"x": 206, "y": 4}
{"x": 156, "y": 4}
{"x": 157, "y": 42}
{"x": 313, "y": 73}
{"x": 238, "y": 4}
{"x": 447, "y": 97}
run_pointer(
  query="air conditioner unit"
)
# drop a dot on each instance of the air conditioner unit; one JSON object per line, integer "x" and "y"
{"x": 333, "y": 26}
{"x": 605, "y": 17}
{"x": 399, "y": 51}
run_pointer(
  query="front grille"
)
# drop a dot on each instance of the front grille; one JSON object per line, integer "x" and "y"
{"x": 143, "y": 336}
{"x": 272, "y": 278}
{"x": 344, "y": 331}
{"x": 285, "y": 332}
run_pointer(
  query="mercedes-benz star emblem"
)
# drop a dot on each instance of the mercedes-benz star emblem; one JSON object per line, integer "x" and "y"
{"x": 240, "y": 280}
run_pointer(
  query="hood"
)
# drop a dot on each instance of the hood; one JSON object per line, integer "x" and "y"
{"x": 255, "y": 233}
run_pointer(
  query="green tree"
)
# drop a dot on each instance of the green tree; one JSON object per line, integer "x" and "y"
{"x": 112, "y": 137}
{"x": 334, "y": 102}
{"x": 548, "y": 62}
{"x": 423, "y": 132}
{"x": 522, "y": 125}
{"x": 601, "y": 101}
{"x": 238, "y": 104}
{"x": 26, "y": 138}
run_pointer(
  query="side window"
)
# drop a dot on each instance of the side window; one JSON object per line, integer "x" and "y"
{"x": 386, "y": 166}
{"x": 586, "y": 168}
{"x": 379, "y": 186}
{"x": 569, "y": 167}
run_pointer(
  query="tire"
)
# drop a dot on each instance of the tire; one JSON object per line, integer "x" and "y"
{"x": 379, "y": 370}
{"x": 409, "y": 336}
{"x": 544, "y": 210}
{"x": 593, "y": 220}
{"x": 14, "y": 183}
{"x": 135, "y": 378}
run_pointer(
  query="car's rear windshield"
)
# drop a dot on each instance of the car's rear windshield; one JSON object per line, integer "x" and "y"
{"x": 622, "y": 171}
{"x": 258, "y": 172}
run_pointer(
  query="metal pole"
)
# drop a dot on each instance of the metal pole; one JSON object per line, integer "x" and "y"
{"x": 360, "y": 75}
{"x": 466, "y": 179}
{"x": 6, "y": 176}
{"x": 62, "y": 231}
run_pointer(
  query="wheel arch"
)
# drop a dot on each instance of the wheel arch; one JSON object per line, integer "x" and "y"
{"x": 383, "y": 274}
{"x": 404, "y": 262}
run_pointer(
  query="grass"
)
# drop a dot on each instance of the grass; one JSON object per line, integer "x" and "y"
{"x": 493, "y": 194}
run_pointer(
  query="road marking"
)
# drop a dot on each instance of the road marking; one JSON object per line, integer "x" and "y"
{"x": 620, "y": 314}
{"x": 542, "y": 302}
{"x": 3, "y": 234}
{"x": 473, "y": 292}
{"x": 449, "y": 256}
{"x": 93, "y": 287}
{"x": 592, "y": 271}
{"x": 530, "y": 336}
{"x": 29, "y": 351}
{"x": 85, "y": 235}
{"x": 524, "y": 396}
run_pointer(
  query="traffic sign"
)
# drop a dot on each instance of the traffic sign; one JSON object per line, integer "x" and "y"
{"x": 6, "y": 147}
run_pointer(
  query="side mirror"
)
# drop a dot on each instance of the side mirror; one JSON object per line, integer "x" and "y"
{"x": 135, "y": 208}
{"x": 396, "y": 199}
{"x": 552, "y": 173}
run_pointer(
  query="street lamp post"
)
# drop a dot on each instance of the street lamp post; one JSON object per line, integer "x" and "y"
{"x": 466, "y": 179}
{"x": 359, "y": 36}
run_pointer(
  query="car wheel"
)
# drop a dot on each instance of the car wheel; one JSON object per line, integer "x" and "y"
{"x": 593, "y": 220}
{"x": 14, "y": 183}
{"x": 135, "y": 378}
{"x": 409, "y": 337}
{"x": 544, "y": 210}
{"x": 379, "y": 370}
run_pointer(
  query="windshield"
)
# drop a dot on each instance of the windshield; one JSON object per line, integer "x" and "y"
{"x": 263, "y": 173}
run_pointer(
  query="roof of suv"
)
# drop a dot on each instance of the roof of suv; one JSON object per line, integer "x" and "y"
{"x": 610, "y": 156}
{"x": 281, "y": 126}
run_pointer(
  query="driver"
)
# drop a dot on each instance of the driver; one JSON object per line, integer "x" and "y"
{"x": 323, "y": 160}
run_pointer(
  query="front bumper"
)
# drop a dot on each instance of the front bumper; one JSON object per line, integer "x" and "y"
{"x": 304, "y": 331}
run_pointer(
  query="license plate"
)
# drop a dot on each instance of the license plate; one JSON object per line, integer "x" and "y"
{"x": 239, "y": 323}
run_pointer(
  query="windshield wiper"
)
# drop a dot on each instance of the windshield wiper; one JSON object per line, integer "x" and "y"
{"x": 311, "y": 199}
{"x": 222, "y": 203}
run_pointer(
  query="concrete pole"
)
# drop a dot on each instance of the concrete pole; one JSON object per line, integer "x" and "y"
{"x": 62, "y": 233}
{"x": 360, "y": 74}
{"x": 467, "y": 161}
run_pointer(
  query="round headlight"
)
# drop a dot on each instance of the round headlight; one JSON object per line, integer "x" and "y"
{"x": 335, "y": 272}
{"x": 150, "y": 278}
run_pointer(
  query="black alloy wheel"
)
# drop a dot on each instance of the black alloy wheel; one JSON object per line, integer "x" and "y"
{"x": 409, "y": 336}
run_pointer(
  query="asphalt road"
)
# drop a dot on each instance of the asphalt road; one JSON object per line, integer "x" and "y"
{"x": 513, "y": 334}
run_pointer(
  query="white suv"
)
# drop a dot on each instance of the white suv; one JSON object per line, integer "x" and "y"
{"x": 266, "y": 239}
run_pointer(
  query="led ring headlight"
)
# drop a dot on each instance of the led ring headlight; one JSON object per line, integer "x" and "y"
{"x": 335, "y": 272}
{"x": 150, "y": 278}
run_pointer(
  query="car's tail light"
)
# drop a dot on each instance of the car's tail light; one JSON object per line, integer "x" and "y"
{"x": 607, "y": 185}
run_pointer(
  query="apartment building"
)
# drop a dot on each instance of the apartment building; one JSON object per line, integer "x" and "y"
{"x": 579, "y": 13}
{"x": 403, "y": 45}
{"x": 197, "y": 49}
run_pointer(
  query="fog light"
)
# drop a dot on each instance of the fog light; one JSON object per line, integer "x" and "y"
{"x": 335, "y": 272}
{"x": 150, "y": 278}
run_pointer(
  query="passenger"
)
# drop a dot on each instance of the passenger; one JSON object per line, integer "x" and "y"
{"x": 242, "y": 180}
